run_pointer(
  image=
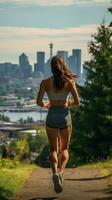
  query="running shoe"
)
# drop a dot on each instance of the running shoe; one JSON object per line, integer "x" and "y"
{"x": 60, "y": 176}
{"x": 57, "y": 183}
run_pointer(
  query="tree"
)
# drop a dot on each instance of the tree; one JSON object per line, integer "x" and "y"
{"x": 110, "y": 10}
{"x": 43, "y": 159}
{"x": 92, "y": 122}
{"x": 20, "y": 147}
{"x": 37, "y": 142}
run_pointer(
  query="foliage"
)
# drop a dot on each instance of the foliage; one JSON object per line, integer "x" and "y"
{"x": 36, "y": 143}
{"x": 92, "y": 124}
{"x": 21, "y": 147}
{"x": 110, "y": 9}
{"x": 3, "y": 90}
{"x": 43, "y": 159}
{"x": 2, "y": 100}
{"x": 33, "y": 93}
{"x": 27, "y": 143}
{"x": 9, "y": 164}
{"x": 2, "y": 139}
{"x": 12, "y": 180}
{"x": 19, "y": 104}
{"x": 105, "y": 167}
{"x": 25, "y": 121}
{"x": 4, "y": 118}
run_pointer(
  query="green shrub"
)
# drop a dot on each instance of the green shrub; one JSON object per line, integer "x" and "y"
{"x": 9, "y": 164}
{"x": 12, "y": 179}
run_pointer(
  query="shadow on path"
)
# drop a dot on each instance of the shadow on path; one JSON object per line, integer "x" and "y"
{"x": 107, "y": 191}
{"x": 87, "y": 179}
{"x": 44, "y": 198}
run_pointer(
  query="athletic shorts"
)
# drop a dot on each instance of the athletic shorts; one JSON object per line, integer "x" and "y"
{"x": 58, "y": 117}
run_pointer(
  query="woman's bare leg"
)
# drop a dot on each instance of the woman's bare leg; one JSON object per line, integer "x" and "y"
{"x": 65, "y": 135}
{"x": 52, "y": 134}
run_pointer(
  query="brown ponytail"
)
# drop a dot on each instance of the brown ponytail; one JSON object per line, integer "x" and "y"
{"x": 60, "y": 72}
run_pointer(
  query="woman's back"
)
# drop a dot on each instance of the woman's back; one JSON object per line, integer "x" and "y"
{"x": 56, "y": 97}
{"x": 58, "y": 86}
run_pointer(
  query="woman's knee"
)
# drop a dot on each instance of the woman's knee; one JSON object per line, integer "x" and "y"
{"x": 65, "y": 153}
{"x": 53, "y": 155}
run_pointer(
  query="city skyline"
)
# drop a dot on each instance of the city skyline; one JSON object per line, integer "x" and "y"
{"x": 41, "y": 65}
{"x": 29, "y": 27}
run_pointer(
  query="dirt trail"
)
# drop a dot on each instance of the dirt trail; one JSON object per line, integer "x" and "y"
{"x": 79, "y": 184}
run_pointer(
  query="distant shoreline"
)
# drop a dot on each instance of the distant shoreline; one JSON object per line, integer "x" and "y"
{"x": 21, "y": 109}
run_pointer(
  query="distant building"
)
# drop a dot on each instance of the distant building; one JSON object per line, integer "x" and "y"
{"x": 64, "y": 54}
{"x": 48, "y": 71}
{"x": 71, "y": 63}
{"x": 42, "y": 69}
{"x": 25, "y": 67}
{"x": 75, "y": 61}
{"x": 23, "y": 60}
{"x": 8, "y": 70}
{"x": 40, "y": 65}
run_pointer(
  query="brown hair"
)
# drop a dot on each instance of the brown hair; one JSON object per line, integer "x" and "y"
{"x": 60, "y": 72}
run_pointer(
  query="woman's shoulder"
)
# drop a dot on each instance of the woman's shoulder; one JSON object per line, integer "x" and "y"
{"x": 70, "y": 82}
{"x": 48, "y": 79}
{"x": 46, "y": 82}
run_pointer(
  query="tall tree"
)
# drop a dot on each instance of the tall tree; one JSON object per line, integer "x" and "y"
{"x": 92, "y": 122}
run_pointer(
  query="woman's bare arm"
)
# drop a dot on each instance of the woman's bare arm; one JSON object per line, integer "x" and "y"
{"x": 74, "y": 92}
{"x": 40, "y": 96}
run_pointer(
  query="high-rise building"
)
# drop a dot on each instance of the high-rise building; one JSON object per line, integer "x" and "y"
{"x": 25, "y": 67}
{"x": 75, "y": 62}
{"x": 40, "y": 65}
{"x": 64, "y": 54}
{"x": 23, "y": 60}
{"x": 41, "y": 57}
{"x": 71, "y": 64}
{"x": 9, "y": 70}
{"x": 48, "y": 71}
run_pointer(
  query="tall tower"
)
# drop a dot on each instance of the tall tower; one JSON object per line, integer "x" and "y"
{"x": 51, "y": 50}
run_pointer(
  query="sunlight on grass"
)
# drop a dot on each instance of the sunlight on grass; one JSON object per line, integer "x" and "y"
{"x": 105, "y": 166}
{"x": 11, "y": 180}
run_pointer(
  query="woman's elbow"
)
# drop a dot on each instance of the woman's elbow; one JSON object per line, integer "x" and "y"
{"x": 39, "y": 103}
{"x": 77, "y": 102}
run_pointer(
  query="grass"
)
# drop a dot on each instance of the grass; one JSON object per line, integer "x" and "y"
{"x": 12, "y": 180}
{"x": 105, "y": 166}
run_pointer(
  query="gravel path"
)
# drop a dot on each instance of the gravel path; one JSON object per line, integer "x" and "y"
{"x": 79, "y": 184}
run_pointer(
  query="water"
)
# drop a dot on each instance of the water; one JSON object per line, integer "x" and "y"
{"x": 15, "y": 116}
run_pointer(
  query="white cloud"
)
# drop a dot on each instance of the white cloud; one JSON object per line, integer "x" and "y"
{"x": 15, "y": 40}
{"x": 53, "y": 2}
{"x": 21, "y": 32}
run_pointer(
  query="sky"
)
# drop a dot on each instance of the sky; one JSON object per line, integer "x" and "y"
{"x": 31, "y": 25}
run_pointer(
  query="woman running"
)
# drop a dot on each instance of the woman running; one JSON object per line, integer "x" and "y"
{"x": 58, "y": 120}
